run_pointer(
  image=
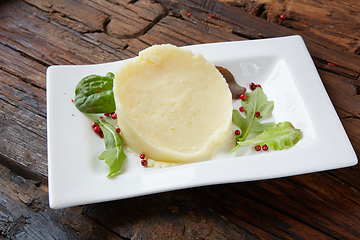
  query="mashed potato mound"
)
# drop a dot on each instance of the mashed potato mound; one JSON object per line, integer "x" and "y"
{"x": 172, "y": 105}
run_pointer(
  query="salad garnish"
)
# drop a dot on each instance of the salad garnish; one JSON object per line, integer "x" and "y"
{"x": 256, "y": 106}
{"x": 282, "y": 135}
{"x": 94, "y": 94}
{"x": 255, "y": 101}
{"x": 113, "y": 154}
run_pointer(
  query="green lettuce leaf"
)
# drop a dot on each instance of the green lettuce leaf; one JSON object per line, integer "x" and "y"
{"x": 255, "y": 101}
{"x": 114, "y": 155}
{"x": 282, "y": 135}
{"x": 94, "y": 94}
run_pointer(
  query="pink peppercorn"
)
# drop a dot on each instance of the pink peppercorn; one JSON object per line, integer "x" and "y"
{"x": 97, "y": 129}
{"x": 252, "y": 86}
{"x": 94, "y": 124}
{"x": 144, "y": 163}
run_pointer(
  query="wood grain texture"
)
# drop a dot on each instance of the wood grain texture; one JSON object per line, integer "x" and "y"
{"x": 35, "y": 34}
{"x": 337, "y": 22}
{"x": 24, "y": 213}
{"x": 177, "y": 214}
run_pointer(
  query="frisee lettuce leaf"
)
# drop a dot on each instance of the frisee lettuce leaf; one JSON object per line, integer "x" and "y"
{"x": 94, "y": 94}
{"x": 114, "y": 155}
{"x": 255, "y": 101}
{"x": 282, "y": 135}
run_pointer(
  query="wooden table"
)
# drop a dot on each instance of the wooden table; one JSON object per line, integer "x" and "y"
{"x": 35, "y": 34}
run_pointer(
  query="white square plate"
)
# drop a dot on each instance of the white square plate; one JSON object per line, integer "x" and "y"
{"x": 288, "y": 76}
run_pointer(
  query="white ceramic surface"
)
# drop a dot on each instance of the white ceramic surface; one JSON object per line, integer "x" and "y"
{"x": 288, "y": 76}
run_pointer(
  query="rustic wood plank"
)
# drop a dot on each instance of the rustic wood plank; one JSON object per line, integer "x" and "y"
{"x": 38, "y": 43}
{"x": 79, "y": 17}
{"x": 337, "y": 21}
{"x": 127, "y": 19}
{"x": 338, "y": 85}
{"x": 181, "y": 33}
{"x": 177, "y": 214}
{"x": 52, "y": 43}
{"x": 29, "y": 70}
{"x": 24, "y": 213}
{"x": 24, "y": 138}
{"x": 309, "y": 202}
{"x": 29, "y": 97}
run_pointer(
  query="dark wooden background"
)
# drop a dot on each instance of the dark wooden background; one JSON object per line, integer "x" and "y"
{"x": 35, "y": 34}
